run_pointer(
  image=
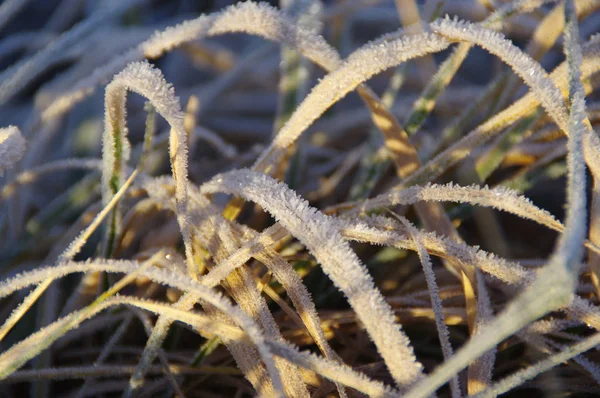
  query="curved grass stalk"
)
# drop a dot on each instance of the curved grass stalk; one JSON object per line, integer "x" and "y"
{"x": 141, "y": 78}
{"x": 67, "y": 255}
{"x": 41, "y": 339}
{"x": 436, "y": 301}
{"x": 221, "y": 239}
{"x": 258, "y": 247}
{"x": 266, "y": 22}
{"x": 490, "y": 128}
{"x": 320, "y": 234}
{"x": 381, "y": 54}
{"x": 383, "y": 231}
{"x": 423, "y": 106}
{"x": 555, "y": 285}
{"x": 545, "y": 35}
{"x": 329, "y": 369}
{"x": 20, "y": 353}
{"x": 337, "y": 84}
{"x": 530, "y": 71}
{"x": 359, "y": 67}
{"x": 258, "y": 19}
{"x": 252, "y": 18}
{"x": 500, "y": 198}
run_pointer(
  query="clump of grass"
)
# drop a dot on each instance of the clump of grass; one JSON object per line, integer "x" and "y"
{"x": 179, "y": 255}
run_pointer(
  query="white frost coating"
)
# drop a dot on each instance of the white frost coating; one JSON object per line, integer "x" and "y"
{"x": 436, "y": 301}
{"x": 551, "y": 325}
{"x": 361, "y": 65}
{"x": 321, "y": 236}
{"x": 556, "y": 284}
{"x": 528, "y": 69}
{"x": 576, "y": 218}
{"x": 477, "y": 137}
{"x": 259, "y": 19}
{"x": 255, "y": 246}
{"x": 384, "y": 231}
{"x": 163, "y": 276}
{"x": 142, "y": 78}
{"x": 499, "y": 198}
{"x": 21, "y": 352}
{"x": 209, "y": 226}
{"x": 259, "y": 247}
{"x": 12, "y": 147}
{"x": 329, "y": 369}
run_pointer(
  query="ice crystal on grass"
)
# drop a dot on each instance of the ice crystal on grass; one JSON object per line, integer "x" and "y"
{"x": 252, "y": 305}
{"x": 320, "y": 235}
{"x": 436, "y": 301}
{"x": 499, "y": 198}
{"x": 142, "y": 78}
